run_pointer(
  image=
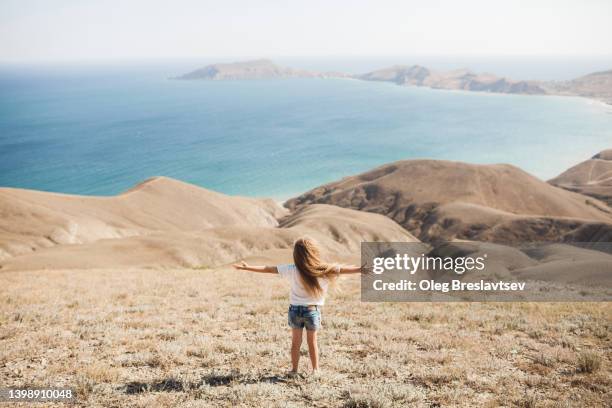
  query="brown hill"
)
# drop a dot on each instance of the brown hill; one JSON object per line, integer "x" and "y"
{"x": 556, "y": 263}
{"x": 592, "y": 177}
{"x": 164, "y": 223}
{"x": 563, "y": 263}
{"x": 32, "y": 219}
{"x": 347, "y": 227}
{"x": 447, "y": 200}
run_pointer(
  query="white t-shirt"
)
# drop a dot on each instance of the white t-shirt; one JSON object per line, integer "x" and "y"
{"x": 299, "y": 296}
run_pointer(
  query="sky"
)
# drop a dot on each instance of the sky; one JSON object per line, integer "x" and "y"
{"x": 82, "y": 30}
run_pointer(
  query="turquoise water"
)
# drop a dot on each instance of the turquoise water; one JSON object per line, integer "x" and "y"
{"x": 100, "y": 131}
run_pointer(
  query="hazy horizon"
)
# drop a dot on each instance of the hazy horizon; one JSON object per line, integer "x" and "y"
{"x": 35, "y": 31}
{"x": 545, "y": 68}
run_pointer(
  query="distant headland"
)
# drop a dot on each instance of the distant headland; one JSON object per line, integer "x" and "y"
{"x": 255, "y": 69}
{"x": 596, "y": 85}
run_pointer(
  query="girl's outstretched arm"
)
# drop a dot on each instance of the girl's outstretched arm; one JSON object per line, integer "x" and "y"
{"x": 243, "y": 266}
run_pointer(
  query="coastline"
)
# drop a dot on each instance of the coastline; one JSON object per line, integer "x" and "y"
{"x": 605, "y": 102}
{"x": 589, "y": 85}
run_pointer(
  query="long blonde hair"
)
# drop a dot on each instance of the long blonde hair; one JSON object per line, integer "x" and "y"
{"x": 307, "y": 259}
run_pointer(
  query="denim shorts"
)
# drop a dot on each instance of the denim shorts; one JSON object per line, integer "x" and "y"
{"x": 300, "y": 317}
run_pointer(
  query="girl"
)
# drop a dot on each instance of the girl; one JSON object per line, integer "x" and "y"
{"x": 309, "y": 278}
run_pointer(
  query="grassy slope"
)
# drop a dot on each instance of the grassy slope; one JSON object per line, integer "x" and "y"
{"x": 194, "y": 338}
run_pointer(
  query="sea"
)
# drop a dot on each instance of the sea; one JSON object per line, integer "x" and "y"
{"x": 99, "y": 128}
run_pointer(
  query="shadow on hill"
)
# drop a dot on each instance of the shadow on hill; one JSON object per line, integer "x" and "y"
{"x": 172, "y": 384}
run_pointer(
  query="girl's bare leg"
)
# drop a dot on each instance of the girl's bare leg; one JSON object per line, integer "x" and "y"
{"x": 313, "y": 348}
{"x": 296, "y": 343}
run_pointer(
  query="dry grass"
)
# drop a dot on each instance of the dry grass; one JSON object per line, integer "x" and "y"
{"x": 199, "y": 338}
{"x": 588, "y": 362}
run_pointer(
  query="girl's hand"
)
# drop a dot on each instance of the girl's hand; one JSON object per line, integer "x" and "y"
{"x": 367, "y": 270}
{"x": 241, "y": 266}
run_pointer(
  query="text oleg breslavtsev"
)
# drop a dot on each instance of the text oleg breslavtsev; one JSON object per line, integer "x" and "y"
{"x": 445, "y": 287}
